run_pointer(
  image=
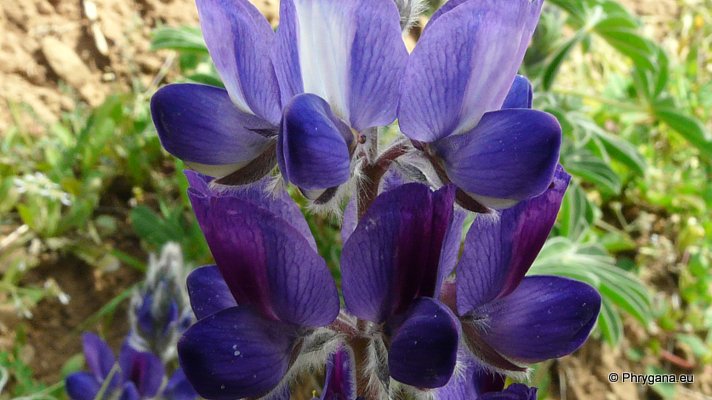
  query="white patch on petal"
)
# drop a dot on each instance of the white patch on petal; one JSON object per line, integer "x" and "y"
{"x": 494, "y": 202}
{"x": 216, "y": 171}
{"x": 325, "y": 35}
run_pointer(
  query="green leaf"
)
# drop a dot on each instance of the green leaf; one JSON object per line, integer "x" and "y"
{"x": 587, "y": 166}
{"x": 186, "y": 38}
{"x": 609, "y": 323}
{"x": 576, "y": 214}
{"x": 623, "y": 152}
{"x": 690, "y": 128}
{"x": 552, "y": 68}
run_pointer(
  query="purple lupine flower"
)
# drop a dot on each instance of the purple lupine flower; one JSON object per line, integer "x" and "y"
{"x": 226, "y": 133}
{"x": 159, "y": 311}
{"x": 138, "y": 375}
{"x": 339, "y": 64}
{"x": 340, "y": 380}
{"x": 498, "y": 305}
{"x": 258, "y": 306}
{"x": 474, "y": 381}
{"x": 392, "y": 270}
{"x": 455, "y": 107}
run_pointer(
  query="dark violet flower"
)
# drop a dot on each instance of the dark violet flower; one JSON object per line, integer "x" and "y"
{"x": 226, "y": 133}
{"x": 138, "y": 375}
{"x": 474, "y": 381}
{"x": 339, "y": 64}
{"x": 463, "y": 107}
{"x": 498, "y": 306}
{"x": 159, "y": 310}
{"x": 340, "y": 380}
{"x": 392, "y": 267}
{"x": 258, "y": 306}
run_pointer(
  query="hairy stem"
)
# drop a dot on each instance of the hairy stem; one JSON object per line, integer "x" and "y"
{"x": 367, "y": 188}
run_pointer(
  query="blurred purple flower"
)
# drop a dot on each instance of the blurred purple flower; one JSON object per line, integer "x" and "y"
{"x": 138, "y": 375}
{"x": 462, "y": 104}
{"x": 392, "y": 268}
{"x": 268, "y": 292}
{"x": 159, "y": 310}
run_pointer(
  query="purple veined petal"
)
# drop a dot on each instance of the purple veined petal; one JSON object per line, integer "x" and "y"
{"x": 178, "y": 387}
{"x": 313, "y": 147}
{"x": 423, "y": 348}
{"x": 471, "y": 381}
{"x": 99, "y": 357}
{"x": 555, "y": 314}
{"x": 240, "y": 39}
{"x": 515, "y": 391}
{"x": 143, "y": 369}
{"x": 200, "y": 125}
{"x": 445, "y": 8}
{"x": 276, "y": 201}
{"x": 247, "y": 356}
{"x": 463, "y": 66}
{"x": 82, "y": 386}
{"x": 348, "y": 52}
{"x": 340, "y": 380}
{"x": 499, "y": 249}
{"x": 451, "y": 245}
{"x": 393, "y": 256}
{"x": 129, "y": 392}
{"x": 208, "y": 291}
{"x": 269, "y": 264}
{"x": 509, "y": 157}
{"x": 520, "y": 94}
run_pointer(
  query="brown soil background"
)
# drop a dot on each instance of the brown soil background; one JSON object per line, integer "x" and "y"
{"x": 55, "y": 54}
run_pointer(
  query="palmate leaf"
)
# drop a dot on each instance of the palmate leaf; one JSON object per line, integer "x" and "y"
{"x": 621, "y": 290}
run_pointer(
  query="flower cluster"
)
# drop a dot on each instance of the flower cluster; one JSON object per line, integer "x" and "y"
{"x": 159, "y": 314}
{"x": 420, "y": 317}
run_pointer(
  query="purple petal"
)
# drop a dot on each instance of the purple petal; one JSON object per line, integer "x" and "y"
{"x": 515, "y": 391}
{"x": 313, "y": 148}
{"x": 240, "y": 39}
{"x": 393, "y": 256}
{"x": 348, "y": 52}
{"x": 277, "y": 201}
{"x": 247, "y": 355}
{"x": 464, "y": 65}
{"x": 340, "y": 381}
{"x": 178, "y": 387}
{"x": 555, "y": 314}
{"x": 130, "y": 392}
{"x": 423, "y": 349}
{"x": 510, "y": 156}
{"x": 471, "y": 381}
{"x": 451, "y": 245}
{"x": 200, "y": 125}
{"x": 208, "y": 291}
{"x": 445, "y": 8}
{"x": 99, "y": 357}
{"x": 82, "y": 386}
{"x": 144, "y": 369}
{"x": 520, "y": 94}
{"x": 268, "y": 264}
{"x": 499, "y": 249}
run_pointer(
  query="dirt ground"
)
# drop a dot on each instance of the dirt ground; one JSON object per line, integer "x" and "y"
{"x": 54, "y": 53}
